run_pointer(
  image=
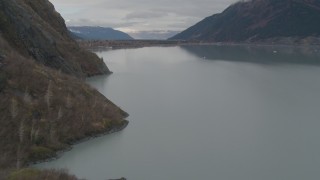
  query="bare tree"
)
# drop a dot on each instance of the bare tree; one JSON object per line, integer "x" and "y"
{"x": 18, "y": 164}
{"x": 60, "y": 114}
{"x": 49, "y": 94}
{"x": 52, "y": 134}
{"x": 36, "y": 134}
{"x": 68, "y": 101}
{"x": 32, "y": 131}
{"x": 21, "y": 131}
{"x": 83, "y": 120}
{"x": 27, "y": 98}
{"x": 14, "y": 108}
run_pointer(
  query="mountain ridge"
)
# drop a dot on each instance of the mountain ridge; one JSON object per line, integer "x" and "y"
{"x": 98, "y": 33}
{"x": 258, "y": 20}
{"x": 35, "y": 29}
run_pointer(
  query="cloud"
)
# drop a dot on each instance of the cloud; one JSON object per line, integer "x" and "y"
{"x": 144, "y": 15}
{"x": 139, "y": 15}
{"x": 93, "y": 22}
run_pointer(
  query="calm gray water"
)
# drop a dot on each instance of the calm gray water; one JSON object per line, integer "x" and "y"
{"x": 207, "y": 112}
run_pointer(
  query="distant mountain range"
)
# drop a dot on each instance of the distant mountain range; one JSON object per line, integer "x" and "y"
{"x": 98, "y": 33}
{"x": 258, "y": 20}
{"x": 154, "y": 35}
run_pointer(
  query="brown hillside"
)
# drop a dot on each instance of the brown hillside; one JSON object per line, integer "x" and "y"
{"x": 44, "y": 104}
{"x": 43, "y": 110}
{"x": 35, "y": 29}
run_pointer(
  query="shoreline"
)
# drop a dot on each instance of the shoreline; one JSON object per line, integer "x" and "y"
{"x": 99, "y": 45}
{"x": 70, "y": 146}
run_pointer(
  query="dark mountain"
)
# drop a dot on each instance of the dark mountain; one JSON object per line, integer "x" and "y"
{"x": 257, "y": 20}
{"x": 98, "y": 33}
{"x": 35, "y": 29}
{"x": 45, "y": 106}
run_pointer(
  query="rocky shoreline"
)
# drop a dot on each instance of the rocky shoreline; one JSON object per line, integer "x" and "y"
{"x": 59, "y": 153}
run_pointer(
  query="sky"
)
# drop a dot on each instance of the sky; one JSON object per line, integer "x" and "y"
{"x": 139, "y": 18}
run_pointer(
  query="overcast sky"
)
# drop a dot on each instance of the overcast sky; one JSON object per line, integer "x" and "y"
{"x": 138, "y": 15}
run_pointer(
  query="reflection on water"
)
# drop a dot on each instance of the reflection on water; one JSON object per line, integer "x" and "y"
{"x": 258, "y": 54}
{"x": 218, "y": 118}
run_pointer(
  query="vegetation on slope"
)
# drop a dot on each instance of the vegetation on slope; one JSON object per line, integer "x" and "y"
{"x": 35, "y": 29}
{"x": 43, "y": 110}
{"x": 258, "y": 20}
{"x": 44, "y": 104}
{"x": 34, "y": 174}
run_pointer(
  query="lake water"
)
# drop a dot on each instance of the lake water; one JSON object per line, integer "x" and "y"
{"x": 207, "y": 112}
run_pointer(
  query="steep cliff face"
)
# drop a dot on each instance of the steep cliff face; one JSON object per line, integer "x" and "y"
{"x": 43, "y": 109}
{"x": 35, "y": 29}
{"x": 256, "y": 20}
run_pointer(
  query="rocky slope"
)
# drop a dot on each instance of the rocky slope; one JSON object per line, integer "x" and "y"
{"x": 43, "y": 110}
{"x": 36, "y": 30}
{"x": 98, "y": 33}
{"x": 44, "y": 104}
{"x": 258, "y": 20}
